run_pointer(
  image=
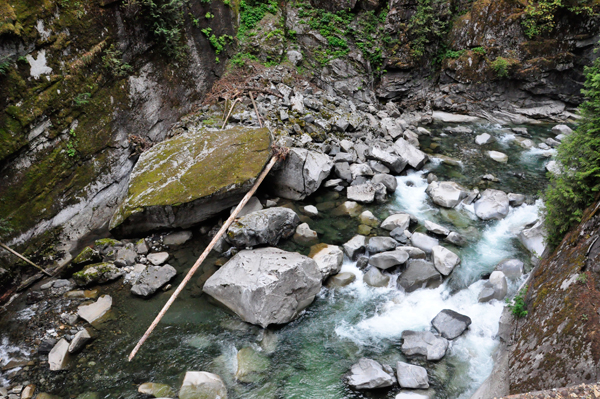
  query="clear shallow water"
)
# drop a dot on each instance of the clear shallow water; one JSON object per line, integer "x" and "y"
{"x": 308, "y": 357}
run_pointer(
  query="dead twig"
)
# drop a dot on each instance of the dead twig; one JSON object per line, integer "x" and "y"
{"x": 256, "y": 110}
{"x": 229, "y": 114}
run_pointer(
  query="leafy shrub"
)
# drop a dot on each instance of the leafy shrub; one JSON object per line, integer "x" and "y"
{"x": 113, "y": 63}
{"x": 4, "y": 67}
{"x": 252, "y": 12}
{"x": 500, "y": 66}
{"x": 479, "y": 50}
{"x": 517, "y": 305}
{"x": 573, "y": 190}
{"x": 540, "y": 17}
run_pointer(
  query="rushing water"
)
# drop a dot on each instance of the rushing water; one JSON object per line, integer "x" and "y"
{"x": 308, "y": 357}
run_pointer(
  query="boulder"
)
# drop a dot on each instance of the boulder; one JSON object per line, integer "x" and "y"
{"x": 341, "y": 280}
{"x": 98, "y": 273}
{"x": 483, "y": 139}
{"x": 423, "y": 343}
{"x": 301, "y": 174}
{"x": 512, "y": 268}
{"x": 267, "y": 226}
{"x": 369, "y": 374}
{"x": 368, "y": 219}
{"x": 411, "y": 376}
{"x": 381, "y": 244}
{"x": 394, "y": 162}
{"x": 493, "y": 204}
{"x": 450, "y": 324}
{"x": 158, "y": 258}
{"x": 388, "y": 181}
{"x": 202, "y": 385}
{"x": 96, "y": 310}
{"x": 342, "y": 170}
{"x": 181, "y": 237}
{"x": 419, "y": 274}
{"x": 413, "y": 156}
{"x": 498, "y": 156}
{"x": 152, "y": 279}
{"x": 495, "y": 288}
{"x": 360, "y": 169}
{"x": 367, "y": 193}
{"x": 281, "y": 285}
{"x": 388, "y": 259}
{"x": 399, "y": 220}
{"x": 375, "y": 278}
{"x": 190, "y": 178}
{"x": 534, "y": 238}
{"x": 424, "y": 242}
{"x": 456, "y": 239}
{"x": 400, "y": 235}
{"x": 446, "y": 193}
{"x": 355, "y": 246}
{"x": 562, "y": 129}
{"x": 329, "y": 258}
{"x": 413, "y": 252}
{"x": 411, "y": 395}
{"x": 156, "y": 390}
{"x": 125, "y": 256}
{"x": 311, "y": 210}
{"x": 436, "y": 228}
{"x": 515, "y": 200}
{"x": 305, "y": 236}
{"x": 444, "y": 260}
{"x": 348, "y": 208}
{"x": 87, "y": 256}
{"x": 58, "y": 358}
{"x": 80, "y": 340}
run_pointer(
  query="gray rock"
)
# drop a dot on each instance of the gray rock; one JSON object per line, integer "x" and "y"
{"x": 329, "y": 258}
{"x": 424, "y": 242}
{"x": 456, "y": 239}
{"x": 252, "y": 205}
{"x": 295, "y": 57}
{"x": 378, "y": 167}
{"x": 181, "y": 237}
{"x": 446, "y": 194}
{"x": 152, "y": 279}
{"x": 458, "y": 130}
{"x": 311, "y": 210}
{"x": 483, "y": 139}
{"x": 487, "y": 292}
{"x": 450, "y": 324}
{"x": 399, "y": 220}
{"x": 411, "y": 376}
{"x": 534, "y": 238}
{"x": 381, "y": 244}
{"x": 413, "y": 156}
{"x": 414, "y": 252}
{"x": 367, "y": 193}
{"x": 394, "y": 162}
{"x": 516, "y": 199}
{"x": 512, "y": 268}
{"x": 301, "y": 174}
{"x": 155, "y": 390}
{"x": 96, "y": 310}
{"x": 391, "y": 127}
{"x": 495, "y": 288}
{"x": 554, "y": 167}
{"x": 521, "y": 131}
{"x": 80, "y": 340}
{"x": 341, "y": 280}
{"x": 388, "y": 181}
{"x": 355, "y": 246}
{"x": 305, "y": 236}
{"x": 444, "y": 260}
{"x": 419, "y": 274}
{"x": 202, "y": 385}
{"x": 493, "y": 204}
{"x": 283, "y": 115}
{"x": 249, "y": 274}
{"x": 360, "y": 169}
{"x": 375, "y": 278}
{"x": 344, "y": 157}
{"x": 388, "y": 259}
{"x": 436, "y": 228}
{"x": 58, "y": 358}
{"x": 267, "y": 226}
{"x": 423, "y": 343}
{"x": 142, "y": 247}
{"x": 125, "y": 257}
{"x": 411, "y": 395}
{"x": 297, "y": 102}
{"x": 399, "y": 235}
{"x": 562, "y": 129}
{"x": 158, "y": 258}
{"x": 498, "y": 156}
{"x": 342, "y": 170}
{"x": 369, "y": 374}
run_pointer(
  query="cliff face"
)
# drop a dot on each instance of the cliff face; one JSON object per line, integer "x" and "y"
{"x": 83, "y": 87}
{"x": 558, "y": 344}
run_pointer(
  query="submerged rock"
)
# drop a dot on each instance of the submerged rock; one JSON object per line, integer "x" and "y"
{"x": 58, "y": 358}
{"x": 152, "y": 279}
{"x": 202, "y": 385}
{"x": 423, "y": 343}
{"x": 305, "y": 236}
{"x": 281, "y": 285}
{"x": 369, "y": 374}
{"x": 450, "y": 324}
{"x": 493, "y": 204}
{"x": 180, "y": 237}
{"x": 267, "y": 226}
{"x": 190, "y": 178}
{"x": 250, "y": 365}
{"x": 447, "y": 194}
{"x": 329, "y": 258}
{"x": 96, "y": 310}
{"x": 300, "y": 175}
{"x": 156, "y": 390}
{"x": 411, "y": 376}
{"x": 498, "y": 156}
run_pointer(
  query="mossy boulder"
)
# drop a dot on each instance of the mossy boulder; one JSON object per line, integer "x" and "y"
{"x": 87, "y": 256}
{"x": 97, "y": 273}
{"x": 190, "y": 178}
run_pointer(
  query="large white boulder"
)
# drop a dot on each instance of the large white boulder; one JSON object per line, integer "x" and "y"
{"x": 447, "y": 194}
{"x": 493, "y": 204}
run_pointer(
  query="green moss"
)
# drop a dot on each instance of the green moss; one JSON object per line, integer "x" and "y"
{"x": 87, "y": 256}
{"x": 108, "y": 242}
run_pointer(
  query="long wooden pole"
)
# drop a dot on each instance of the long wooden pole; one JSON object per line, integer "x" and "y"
{"x": 229, "y": 114}
{"x": 256, "y": 109}
{"x": 204, "y": 255}
{"x": 24, "y": 258}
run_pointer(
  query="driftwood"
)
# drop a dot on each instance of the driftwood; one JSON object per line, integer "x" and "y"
{"x": 229, "y": 114}
{"x": 18, "y": 255}
{"x": 256, "y": 110}
{"x": 278, "y": 153}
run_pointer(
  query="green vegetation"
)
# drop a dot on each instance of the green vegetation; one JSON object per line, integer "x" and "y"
{"x": 573, "y": 190}
{"x": 479, "y": 50}
{"x": 82, "y": 98}
{"x": 71, "y": 143}
{"x": 517, "y": 305}
{"x": 500, "y": 66}
{"x": 208, "y": 15}
{"x": 219, "y": 42}
{"x": 240, "y": 59}
{"x": 582, "y": 278}
{"x": 540, "y": 17}
{"x": 113, "y": 63}
{"x": 5, "y": 228}
{"x": 4, "y": 67}
{"x": 424, "y": 27}
{"x": 252, "y": 12}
